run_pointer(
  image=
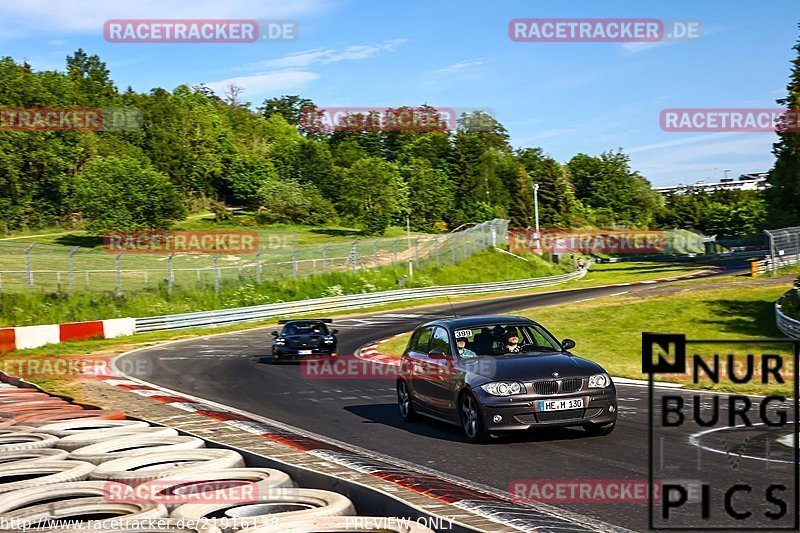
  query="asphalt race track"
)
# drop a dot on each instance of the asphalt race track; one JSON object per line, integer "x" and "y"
{"x": 235, "y": 370}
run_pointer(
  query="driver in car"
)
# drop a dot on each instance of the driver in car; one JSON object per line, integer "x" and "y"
{"x": 510, "y": 341}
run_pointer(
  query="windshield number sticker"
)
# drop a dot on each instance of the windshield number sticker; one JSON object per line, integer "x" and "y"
{"x": 463, "y": 333}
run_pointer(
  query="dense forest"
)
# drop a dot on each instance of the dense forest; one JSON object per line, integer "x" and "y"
{"x": 198, "y": 150}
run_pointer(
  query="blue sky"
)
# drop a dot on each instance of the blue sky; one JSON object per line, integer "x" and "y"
{"x": 564, "y": 97}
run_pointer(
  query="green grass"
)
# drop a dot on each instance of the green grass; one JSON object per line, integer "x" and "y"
{"x": 609, "y": 273}
{"x": 111, "y": 347}
{"x": 95, "y": 268}
{"x": 609, "y": 330}
{"x": 47, "y": 308}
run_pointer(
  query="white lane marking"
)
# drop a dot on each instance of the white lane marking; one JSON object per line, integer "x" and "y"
{"x": 694, "y": 440}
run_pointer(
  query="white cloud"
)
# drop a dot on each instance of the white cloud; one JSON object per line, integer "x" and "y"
{"x": 265, "y": 83}
{"x": 32, "y": 17}
{"x": 694, "y": 139}
{"x": 459, "y": 67}
{"x": 325, "y": 56}
{"x": 692, "y": 158}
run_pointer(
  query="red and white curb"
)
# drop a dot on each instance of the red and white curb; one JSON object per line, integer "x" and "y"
{"x": 26, "y": 337}
{"x": 370, "y": 352}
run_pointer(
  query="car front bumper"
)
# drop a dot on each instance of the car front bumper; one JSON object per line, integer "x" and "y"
{"x": 294, "y": 353}
{"x": 520, "y": 413}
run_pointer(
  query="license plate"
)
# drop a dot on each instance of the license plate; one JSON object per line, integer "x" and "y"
{"x": 560, "y": 405}
{"x": 304, "y": 352}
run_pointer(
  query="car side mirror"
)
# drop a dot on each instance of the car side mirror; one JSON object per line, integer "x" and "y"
{"x": 437, "y": 355}
{"x": 274, "y": 333}
{"x": 567, "y": 344}
{"x": 334, "y": 331}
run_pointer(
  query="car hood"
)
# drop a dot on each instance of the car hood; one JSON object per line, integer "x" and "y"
{"x": 529, "y": 367}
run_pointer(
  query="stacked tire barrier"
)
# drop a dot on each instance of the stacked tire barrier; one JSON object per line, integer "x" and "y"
{"x": 788, "y": 325}
{"x": 64, "y": 467}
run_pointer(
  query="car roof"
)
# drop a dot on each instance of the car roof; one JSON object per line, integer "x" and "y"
{"x": 303, "y": 321}
{"x": 483, "y": 320}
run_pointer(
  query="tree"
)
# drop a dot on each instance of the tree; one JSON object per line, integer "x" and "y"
{"x": 430, "y": 194}
{"x": 521, "y": 212}
{"x": 245, "y": 178}
{"x": 120, "y": 194}
{"x": 290, "y": 107}
{"x": 607, "y": 186}
{"x": 91, "y": 79}
{"x": 371, "y": 193}
{"x": 784, "y": 196}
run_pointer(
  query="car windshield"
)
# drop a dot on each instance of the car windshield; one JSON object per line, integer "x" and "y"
{"x": 305, "y": 328}
{"x": 500, "y": 339}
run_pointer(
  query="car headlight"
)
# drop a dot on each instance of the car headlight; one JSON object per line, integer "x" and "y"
{"x": 279, "y": 340}
{"x": 329, "y": 340}
{"x": 599, "y": 381}
{"x": 504, "y": 388}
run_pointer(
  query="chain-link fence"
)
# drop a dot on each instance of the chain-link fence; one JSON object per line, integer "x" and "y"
{"x": 784, "y": 247}
{"x": 31, "y": 266}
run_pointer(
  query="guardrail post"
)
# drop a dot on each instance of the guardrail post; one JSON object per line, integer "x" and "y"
{"x": 216, "y": 274}
{"x": 72, "y": 269}
{"x": 28, "y": 270}
{"x": 170, "y": 274}
{"x": 119, "y": 273}
{"x": 258, "y": 267}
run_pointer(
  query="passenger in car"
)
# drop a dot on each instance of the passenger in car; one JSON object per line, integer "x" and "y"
{"x": 463, "y": 351}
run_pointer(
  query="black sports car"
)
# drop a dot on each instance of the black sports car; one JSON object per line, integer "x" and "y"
{"x": 301, "y": 338}
{"x": 495, "y": 374}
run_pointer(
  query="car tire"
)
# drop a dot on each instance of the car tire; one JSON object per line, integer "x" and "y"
{"x": 404, "y": 402}
{"x": 471, "y": 419}
{"x": 600, "y": 431}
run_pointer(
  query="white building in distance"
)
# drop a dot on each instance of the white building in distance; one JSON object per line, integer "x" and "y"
{"x": 746, "y": 182}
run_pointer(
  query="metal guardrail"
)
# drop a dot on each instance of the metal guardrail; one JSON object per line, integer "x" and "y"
{"x": 788, "y": 326}
{"x": 686, "y": 257}
{"x": 770, "y": 265}
{"x": 338, "y": 303}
